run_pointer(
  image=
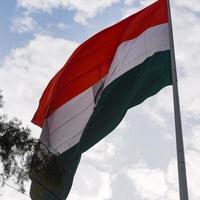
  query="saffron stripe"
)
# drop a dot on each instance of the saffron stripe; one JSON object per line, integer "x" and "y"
{"x": 91, "y": 60}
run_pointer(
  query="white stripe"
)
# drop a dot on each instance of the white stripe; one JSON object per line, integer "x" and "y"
{"x": 70, "y": 110}
{"x": 67, "y": 123}
{"x": 69, "y": 134}
{"x": 131, "y": 53}
{"x": 65, "y": 126}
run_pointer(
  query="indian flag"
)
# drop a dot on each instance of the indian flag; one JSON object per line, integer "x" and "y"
{"x": 114, "y": 70}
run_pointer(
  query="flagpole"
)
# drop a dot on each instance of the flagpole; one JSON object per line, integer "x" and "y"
{"x": 183, "y": 189}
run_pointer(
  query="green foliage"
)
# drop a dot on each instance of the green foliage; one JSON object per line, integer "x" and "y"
{"x": 15, "y": 146}
{"x": 23, "y": 156}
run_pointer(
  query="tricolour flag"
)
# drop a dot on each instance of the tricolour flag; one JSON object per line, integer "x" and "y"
{"x": 114, "y": 70}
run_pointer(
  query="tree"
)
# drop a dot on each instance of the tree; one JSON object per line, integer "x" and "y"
{"x": 22, "y": 156}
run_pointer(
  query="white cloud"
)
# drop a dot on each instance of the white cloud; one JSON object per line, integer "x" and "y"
{"x": 27, "y": 70}
{"x": 194, "y": 138}
{"x": 171, "y": 174}
{"x": 84, "y": 9}
{"x": 155, "y": 116}
{"x": 149, "y": 183}
{"x": 193, "y": 163}
{"x": 192, "y": 5}
{"x": 142, "y": 3}
{"x": 62, "y": 26}
{"x": 187, "y": 53}
{"x": 23, "y": 23}
{"x": 128, "y": 2}
{"x": 156, "y": 184}
{"x": 101, "y": 152}
{"x": 133, "y": 6}
{"x": 91, "y": 183}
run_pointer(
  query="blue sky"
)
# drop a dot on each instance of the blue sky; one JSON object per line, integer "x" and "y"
{"x": 57, "y": 23}
{"x": 138, "y": 159}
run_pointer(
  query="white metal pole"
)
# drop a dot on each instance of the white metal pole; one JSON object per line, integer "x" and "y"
{"x": 183, "y": 189}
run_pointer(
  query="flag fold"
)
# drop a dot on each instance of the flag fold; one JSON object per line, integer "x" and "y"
{"x": 114, "y": 70}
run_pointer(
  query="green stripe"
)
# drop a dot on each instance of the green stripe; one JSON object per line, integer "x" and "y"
{"x": 69, "y": 161}
{"x": 129, "y": 90}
